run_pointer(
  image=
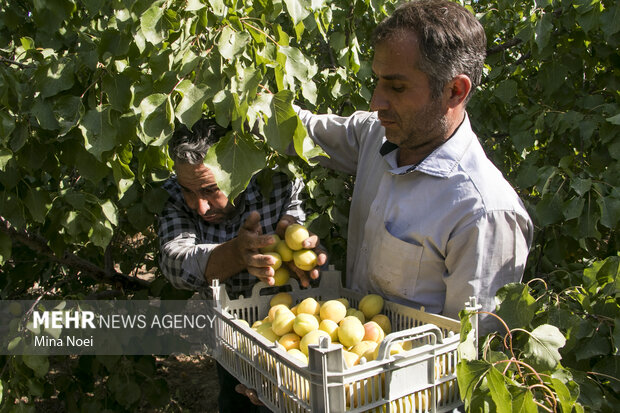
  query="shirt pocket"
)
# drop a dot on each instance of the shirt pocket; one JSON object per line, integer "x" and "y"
{"x": 394, "y": 265}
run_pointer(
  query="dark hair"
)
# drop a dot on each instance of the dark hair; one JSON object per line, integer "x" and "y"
{"x": 451, "y": 40}
{"x": 191, "y": 147}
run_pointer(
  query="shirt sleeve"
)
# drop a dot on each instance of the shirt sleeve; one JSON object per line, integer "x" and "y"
{"x": 183, "y": 258}
{"x": 482, "y": 256}
{"x": 340, "y": 137}
{"x": 293, "y": 206}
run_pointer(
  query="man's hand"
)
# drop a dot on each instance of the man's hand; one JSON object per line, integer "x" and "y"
{"x": 311, "y": 243}
{"x": 248, "y": 242}
{"x": 249, "y": 393}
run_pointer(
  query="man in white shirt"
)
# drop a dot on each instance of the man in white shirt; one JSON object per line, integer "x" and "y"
{"x": 432, "y": 220}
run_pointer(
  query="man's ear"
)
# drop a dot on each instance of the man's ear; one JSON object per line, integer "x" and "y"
{"x": 457, "y": 90}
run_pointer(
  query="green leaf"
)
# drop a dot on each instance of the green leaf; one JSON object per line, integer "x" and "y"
{"x": 233, "y": 161}
{"x": 523, "y": 401}
{"x": 296, "y": 64}
{"x": 544, "y": 28}
{"x": 68, "y": 111}
{"x": 110, "y": 211}
{"x": 189, "y": 109}
{"x": 610, "y": 211}
{"x": 581, "y": 186}
{"x": 7, "y": 125}
{"x": 515, "y": 305}
{"x": 610, "y": 18}
{"x": 152, "y": 25}
{"x": 567, "y": 399}
{"x": 224, "y": 103}
{"x": 156, "y": 119}
{"x": 469, "y": 375}
{"x": 218, "y": 7}
{"x": 542, "y": 347}
{"x": 5, "y": 248}
{"x": 37, "y": 201}
{"x": 615, "y": 120}
{"x": 55, "y": 77}
{"x": 99, "y": 131}
{"x": 5, "y": 156}
{"x": 281, "y": 122}
{"x": 572, "y": 209}
{"x": 549, "y": 209}
{"x": 118, "y": 89}
{"x": 232, "y": 43}
{"x": 297, "y": 9}
{"x": 506, "y": 91}
{"x": 101, "y": 234}
{"x": 39, "y": 364}
{"x": 497, "y": 387}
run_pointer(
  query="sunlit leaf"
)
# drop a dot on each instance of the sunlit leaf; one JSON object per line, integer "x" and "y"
{"x": 542, "y": 348}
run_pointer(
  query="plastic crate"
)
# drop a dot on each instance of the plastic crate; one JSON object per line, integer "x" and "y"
{"x": 422, "y": 379}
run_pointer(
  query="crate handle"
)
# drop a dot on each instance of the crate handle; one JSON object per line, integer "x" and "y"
{"x": 261, "y": 285}
{"x": 411, "y": 333}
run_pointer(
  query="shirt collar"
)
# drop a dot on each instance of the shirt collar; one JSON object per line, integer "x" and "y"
{"x": 441, "y": 162}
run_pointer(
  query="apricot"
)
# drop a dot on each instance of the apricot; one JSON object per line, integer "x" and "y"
{"x": 271, "y": 247}
{"x": 312, "y": 337}
{"x": 278, "y": 258}
{"x": 350, "y": 358}
{"x": 283, "y": 322}
{"x": 295, "y": 352}
{"x": 265, "y": 330}
{"x": 295, "y": 235}
{"x": 304, "y": 259}
{"x": 290, "y": 341}
{"x": 350, "y": 331}
{"x": 344, "y": 301}
{"x": 371, "y": 305}
{"x": 305, "y": 323}
{"x": 285, "y": 252}
{"x": 333, "y": 310}
{"x": 356, "y": 313}
{"x": 365, "y": 349}
{"x": 281, "y": 298}
{"x": 384, "y": 323}
{"x": 309, "y": 306}
{"x": 281, "y": 276}
{"x": 394, "y": 349}
{"x": 330, "y": 327}
{"x": 373, "y": 332}
{"x": 273, "y": 310}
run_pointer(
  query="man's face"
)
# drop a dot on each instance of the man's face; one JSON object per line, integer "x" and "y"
{"x": 412, "y": 119}
{"x": 202, "y": 194}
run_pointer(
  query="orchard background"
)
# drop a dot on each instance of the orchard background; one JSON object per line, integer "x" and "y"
{"x": 90, "y": 91}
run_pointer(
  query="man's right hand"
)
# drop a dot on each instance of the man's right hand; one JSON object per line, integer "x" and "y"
{"x": 248, "y": 242}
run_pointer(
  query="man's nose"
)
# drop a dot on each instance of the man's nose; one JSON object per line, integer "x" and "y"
{"x": 378, "y": 101}
{"x": 203, "y": 206}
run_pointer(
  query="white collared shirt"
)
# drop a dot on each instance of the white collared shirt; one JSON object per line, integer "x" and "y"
{"x": 431, "y": 235}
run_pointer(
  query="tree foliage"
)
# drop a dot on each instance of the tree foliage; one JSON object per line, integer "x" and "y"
{"x": 90, "y": 91}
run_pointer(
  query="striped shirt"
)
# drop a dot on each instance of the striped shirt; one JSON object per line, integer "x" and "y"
{"x": 186, "y": 241}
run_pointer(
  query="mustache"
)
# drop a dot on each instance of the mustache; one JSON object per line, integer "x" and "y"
{"x": 386, "y": 115}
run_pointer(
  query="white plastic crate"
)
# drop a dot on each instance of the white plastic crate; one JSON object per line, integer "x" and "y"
{"x": 422, "y": 379}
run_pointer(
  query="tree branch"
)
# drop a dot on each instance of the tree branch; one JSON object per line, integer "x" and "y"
{"x": 39, "y": 245}
{"x": 504, "y": 46}
{"x": 13, "y": 62}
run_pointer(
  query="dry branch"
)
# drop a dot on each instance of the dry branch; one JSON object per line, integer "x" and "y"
{"x": 39, "y": 245}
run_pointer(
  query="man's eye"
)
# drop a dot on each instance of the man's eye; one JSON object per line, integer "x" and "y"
{"x": 208, "y": 191}
{"x": 398, "y": 89}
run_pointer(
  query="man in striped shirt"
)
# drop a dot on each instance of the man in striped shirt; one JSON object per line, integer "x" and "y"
{"x": 203, "y": 236}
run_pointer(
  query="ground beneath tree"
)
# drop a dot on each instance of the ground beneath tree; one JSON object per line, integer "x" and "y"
{"x": 192, "y": 381}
